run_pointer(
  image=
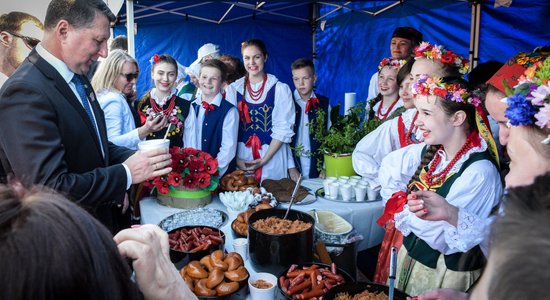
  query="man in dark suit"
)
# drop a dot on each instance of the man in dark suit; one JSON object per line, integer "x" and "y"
{"x": 53, "y": 129}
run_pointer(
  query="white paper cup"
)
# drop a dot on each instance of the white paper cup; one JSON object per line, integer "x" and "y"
{"x": 325, "y": 186}
{"x": 346, "y": 178}
{"x": 371, "y": 194}
{"x": 360, "y": 192}
{"x": 262, "y": 294}
{"x": 358, "y": 178}
{"x": 347, "y": 192}
{"x": 240, "y": 246}
{"x": 342, "y": 181}
{"x": 153, "y": 144}
{"x": 332, "y": 178}
{"x": 353, "y": 181}
{"x": 333, "y": 188}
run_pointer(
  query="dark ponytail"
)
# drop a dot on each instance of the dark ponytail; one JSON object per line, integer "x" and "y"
{"x": 426, "y": 159}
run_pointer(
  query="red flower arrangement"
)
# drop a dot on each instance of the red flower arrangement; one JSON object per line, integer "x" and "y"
{"x": 191, "y": 169}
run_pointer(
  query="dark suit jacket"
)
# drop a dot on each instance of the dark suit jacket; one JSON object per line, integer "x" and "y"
{"x": 47, "y": 138}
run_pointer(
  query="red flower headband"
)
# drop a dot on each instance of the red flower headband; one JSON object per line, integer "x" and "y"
{"x": 155, "y": 59}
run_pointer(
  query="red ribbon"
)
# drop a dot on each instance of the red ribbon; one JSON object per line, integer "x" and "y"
{"x": 394, "y": 205}
{"x": 207, "y": 107}
{"x": 255, "y": 143}
{"x": 312, "y": 102}
{"x": 243, "y": 112}
{"x": 142, "y": 117}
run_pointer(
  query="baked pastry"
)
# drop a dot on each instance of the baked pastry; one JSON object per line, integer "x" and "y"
{"x": 282, "y": 189}
{"x": 237, "y": 181}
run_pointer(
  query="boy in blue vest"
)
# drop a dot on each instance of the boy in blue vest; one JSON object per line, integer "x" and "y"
{"x": 307, "y": 105}
{"x": 217, "y": 119}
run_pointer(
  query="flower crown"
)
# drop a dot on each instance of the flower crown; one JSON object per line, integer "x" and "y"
{"x": 395, "y": 63}
{"x": 427, "y": 86}
{"x": 438, "y": 52}
{"x": 529, "y": 102}
{"x": 154, "y": 59}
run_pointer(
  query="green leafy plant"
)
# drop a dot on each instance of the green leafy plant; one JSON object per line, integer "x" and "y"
{"x": 345, "y": 130}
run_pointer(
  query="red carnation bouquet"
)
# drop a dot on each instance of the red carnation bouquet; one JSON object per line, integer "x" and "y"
{"x": 192, "y": 169}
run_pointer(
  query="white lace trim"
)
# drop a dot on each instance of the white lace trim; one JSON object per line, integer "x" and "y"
{"x": 402, "y": 221}
{"x": 162, "y": 101}
{"x": 470, "y": 231}
{"x": 444, "y": 162}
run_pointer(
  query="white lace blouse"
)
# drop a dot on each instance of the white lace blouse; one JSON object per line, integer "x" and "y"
{"x": 372, "y": 148}
{"x": 477, "y": 191}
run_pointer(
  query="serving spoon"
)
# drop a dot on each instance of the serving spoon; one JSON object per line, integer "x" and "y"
{"x": 294, "y": 194}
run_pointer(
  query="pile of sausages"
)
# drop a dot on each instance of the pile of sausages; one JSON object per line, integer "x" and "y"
{"x": 194, "y": 239}
{"x": 309, "y": 282}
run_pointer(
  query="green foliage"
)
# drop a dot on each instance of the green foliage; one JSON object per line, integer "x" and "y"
{"x": 345, "y": 132}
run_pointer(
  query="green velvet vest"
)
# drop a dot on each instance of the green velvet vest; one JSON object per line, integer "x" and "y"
{"x": 461, "y": 261}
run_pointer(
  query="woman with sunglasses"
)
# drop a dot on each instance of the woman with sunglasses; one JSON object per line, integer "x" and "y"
{"x": 114, "y": 79}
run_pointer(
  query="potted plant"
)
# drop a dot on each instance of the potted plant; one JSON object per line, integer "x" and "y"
{"x": 194, "y": 176}
{"x": 338, "y": 142}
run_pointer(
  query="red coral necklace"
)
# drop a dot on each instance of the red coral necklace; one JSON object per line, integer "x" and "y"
{"x": 379, "y": 114}
{"x": 431, "y": 179}
{"x": 405, "y": 136}
{"x": 256, "y": 95}
{"x": 168, "y": 111}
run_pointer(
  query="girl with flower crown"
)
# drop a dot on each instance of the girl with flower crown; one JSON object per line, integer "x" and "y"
{"x": 266, "y": 111}
{"x": 528, "y": 147}
{"x": 387, "y": 103}
{"x": 455, "y": 163}
{"x": 162, "y": 100}
{"x": 397, "y": 133}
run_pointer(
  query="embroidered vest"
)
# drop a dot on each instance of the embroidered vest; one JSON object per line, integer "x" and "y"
{"x": 420, "y": 251}
{"x": 261, "y": 118}
{"x": 315, "y": 157}
{"x": 212, "y": 130}
{"x": 177, "y": 126}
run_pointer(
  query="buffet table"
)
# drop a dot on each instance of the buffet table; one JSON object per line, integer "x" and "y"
{"x": 362, "y": 215}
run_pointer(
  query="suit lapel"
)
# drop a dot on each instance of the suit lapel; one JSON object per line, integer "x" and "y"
{"x": 69, "y": 95}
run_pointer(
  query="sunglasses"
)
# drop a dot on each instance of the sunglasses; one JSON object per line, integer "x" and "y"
{"x": 130, "y": 76}
{"x": 29, "y": 41}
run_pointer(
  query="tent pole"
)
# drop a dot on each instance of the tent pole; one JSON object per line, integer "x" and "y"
{"x": 130, "y": 27}
{"x": 476, "y": 37}
{"x": 472, "y": 35}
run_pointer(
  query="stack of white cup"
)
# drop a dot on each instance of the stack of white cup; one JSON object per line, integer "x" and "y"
{"x": 348, "y": 188}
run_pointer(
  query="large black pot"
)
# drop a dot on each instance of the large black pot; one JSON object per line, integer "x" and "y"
{"x": 274, "y": 253}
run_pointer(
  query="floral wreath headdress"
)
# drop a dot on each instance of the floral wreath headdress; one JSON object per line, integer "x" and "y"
{"x": 395, "y": 63}
{"x": 427, "y": 86}
{"x": 529, "y": 102}
{"x": 440, "y": 53}
{"x": 155, "y": 59}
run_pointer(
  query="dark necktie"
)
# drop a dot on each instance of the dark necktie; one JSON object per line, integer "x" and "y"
{"x": 85, "y": 102}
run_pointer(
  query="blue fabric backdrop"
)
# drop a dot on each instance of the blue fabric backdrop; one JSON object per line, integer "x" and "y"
{"x": 351, "y": 45}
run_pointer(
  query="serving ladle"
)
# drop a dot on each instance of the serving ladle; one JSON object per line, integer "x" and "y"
{"x": 294, "y": 194}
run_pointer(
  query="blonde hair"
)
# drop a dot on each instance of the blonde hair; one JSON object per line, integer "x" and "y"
{"x": 109, "y": 69}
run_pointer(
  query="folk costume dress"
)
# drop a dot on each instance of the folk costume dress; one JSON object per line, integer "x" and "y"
{"x": 367, "y": 157}
{"x": 306, "y": 110}
{"x": 180, "y": 114}
{"x": 263, "y": 117}
{"x": 121, "y": 127}
{"x": 429, "y": 257}
{"x": 389, "y": 136}
{"x": 217, "y": 129}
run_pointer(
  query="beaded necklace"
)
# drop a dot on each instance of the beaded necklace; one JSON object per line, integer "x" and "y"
{"x": 255, "y": 95}
{"x": 383, "y": 116}
{"x": 431, "y": 179}
{"x": 168, "y": 111}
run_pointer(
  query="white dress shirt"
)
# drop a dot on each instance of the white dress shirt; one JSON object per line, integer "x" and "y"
{"x": 230, "y": 130}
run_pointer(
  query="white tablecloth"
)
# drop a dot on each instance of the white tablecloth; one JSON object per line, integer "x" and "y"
{"x": 362, "y": 216}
